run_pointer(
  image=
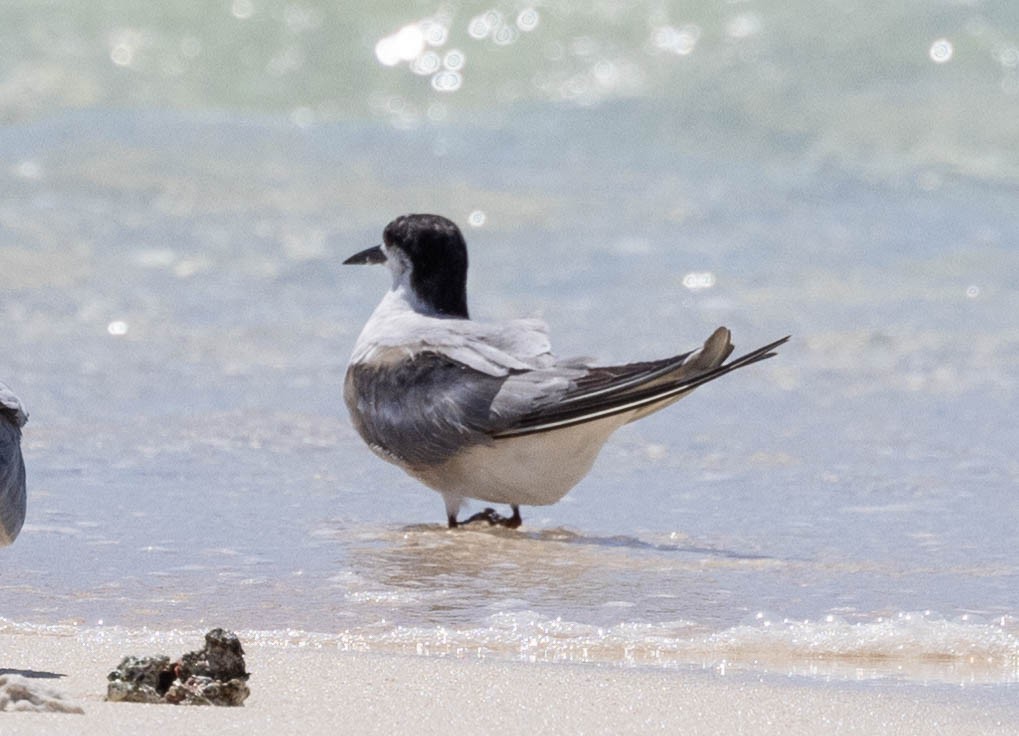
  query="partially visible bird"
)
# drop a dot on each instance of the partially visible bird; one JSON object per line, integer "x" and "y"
{"x": 485, "y": 410}
{"x": 12, "y": 466}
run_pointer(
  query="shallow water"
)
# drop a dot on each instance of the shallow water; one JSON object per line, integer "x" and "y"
{"x": 177, "y": 322}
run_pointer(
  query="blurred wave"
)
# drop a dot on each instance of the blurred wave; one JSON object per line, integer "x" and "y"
{"x": 925, "y": 83}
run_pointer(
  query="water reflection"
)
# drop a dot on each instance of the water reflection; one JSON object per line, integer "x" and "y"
{"x": 559, "y": 595}
{"x": 426, "y": 574}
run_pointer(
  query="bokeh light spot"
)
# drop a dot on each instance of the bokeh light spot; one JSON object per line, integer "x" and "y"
{"x": 117, "y": 328}
{"x": 941, "y": 51}
{"x": 404, "y": 45}
{"x": 698, "y": 280}
{"x": 527, "y": 20}
{"x": 447, "y": 81}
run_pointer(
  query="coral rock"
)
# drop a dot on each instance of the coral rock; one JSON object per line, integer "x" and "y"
{"x": 140, "y": 679}
{"x": 213, "y": 675}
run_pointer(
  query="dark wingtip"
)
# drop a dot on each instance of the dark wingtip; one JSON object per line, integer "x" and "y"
{"x": 765, "y": 351}
{"x": 777, "y": 344}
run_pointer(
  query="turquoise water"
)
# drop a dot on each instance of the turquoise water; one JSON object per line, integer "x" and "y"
{"x": 179, "y": 187}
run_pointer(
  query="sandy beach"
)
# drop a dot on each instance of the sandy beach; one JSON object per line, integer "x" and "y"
{"x": 311, "y": 690}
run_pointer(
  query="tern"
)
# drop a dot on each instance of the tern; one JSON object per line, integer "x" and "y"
{"x": 478, "y": 410}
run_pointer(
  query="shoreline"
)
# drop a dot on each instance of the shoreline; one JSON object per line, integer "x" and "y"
{"x": 311, "y": 690}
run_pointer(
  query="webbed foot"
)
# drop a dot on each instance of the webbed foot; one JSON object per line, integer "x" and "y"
{"x": 492, "y": 517}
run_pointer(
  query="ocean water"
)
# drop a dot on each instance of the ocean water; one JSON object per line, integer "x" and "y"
{"x": 179, "y": 186}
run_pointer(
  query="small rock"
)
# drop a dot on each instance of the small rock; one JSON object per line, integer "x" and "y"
{"x": 221, "y": 659}
{"x": 213, "y": 675}
{"x": 140, "y": 680}
{"x": 199, "y": 690}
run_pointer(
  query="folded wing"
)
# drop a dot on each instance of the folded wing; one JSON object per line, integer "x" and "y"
{"x": 608, "y": 391}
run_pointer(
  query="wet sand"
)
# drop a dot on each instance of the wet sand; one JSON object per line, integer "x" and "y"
{"x": 311, "y": 690}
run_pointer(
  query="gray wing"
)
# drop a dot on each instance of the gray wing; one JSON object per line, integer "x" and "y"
{"x": 12, "y": 467}
{"x": 423, "y": 409}
{"x": 603, "y": 392}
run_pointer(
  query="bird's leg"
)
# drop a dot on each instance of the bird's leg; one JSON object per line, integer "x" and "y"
{"x": 492, "y": 517}
{"x": 453, "y": 504}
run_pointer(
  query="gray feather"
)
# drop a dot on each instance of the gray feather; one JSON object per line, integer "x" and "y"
{"x": 421, "y": 410}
